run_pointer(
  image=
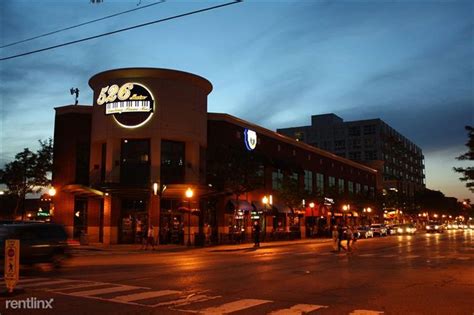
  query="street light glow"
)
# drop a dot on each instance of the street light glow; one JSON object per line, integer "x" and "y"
{"x": 189, "y": 193}
{"x": 52, "y": 191}
{"x": 311, "y": 204}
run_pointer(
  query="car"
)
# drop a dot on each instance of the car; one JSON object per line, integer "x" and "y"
{"x": 39, "y": 242}
{"x": 434, "y": 227}
{"x": 379, "y": 229}
{"x": 392, "y": 229}
{"x": 406, "y": 229}
{"x": 365, "y": 232}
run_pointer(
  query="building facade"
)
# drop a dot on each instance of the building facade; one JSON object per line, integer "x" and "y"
{"x": 373, "y": 142}
{"x": 139, "y": 157}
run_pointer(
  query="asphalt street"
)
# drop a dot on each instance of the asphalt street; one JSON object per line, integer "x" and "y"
{"x": 419, "y": 274}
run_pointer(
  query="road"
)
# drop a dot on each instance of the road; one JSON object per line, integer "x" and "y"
{"x": 420, "y": 274}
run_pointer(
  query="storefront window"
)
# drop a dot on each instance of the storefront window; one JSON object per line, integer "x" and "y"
{"x": 172, "y": 162}
{"x": 135, "y": 162}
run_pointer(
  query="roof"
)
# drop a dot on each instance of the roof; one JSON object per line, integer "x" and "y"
{"x": 277, "y": 136}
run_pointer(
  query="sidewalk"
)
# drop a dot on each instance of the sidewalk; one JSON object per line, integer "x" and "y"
{"x": 134, "y": 248}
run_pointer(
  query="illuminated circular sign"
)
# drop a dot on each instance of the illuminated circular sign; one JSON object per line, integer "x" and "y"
{"x": 131, "y": 104}
{"x": 250, "y": 139}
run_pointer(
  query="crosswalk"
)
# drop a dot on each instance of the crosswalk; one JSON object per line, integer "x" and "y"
{"x": 198, "y": 302}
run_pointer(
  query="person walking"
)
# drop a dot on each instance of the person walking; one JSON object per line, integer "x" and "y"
{"x": 256, "y": 229}
{"x": 334, "y": 236}
{"x": 340, "y": 238}
{"x": 349, "y": 238}
{"x": 150, "y": 238}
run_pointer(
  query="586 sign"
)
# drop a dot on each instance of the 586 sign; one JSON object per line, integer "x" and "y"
{"x": 110, "y": 93}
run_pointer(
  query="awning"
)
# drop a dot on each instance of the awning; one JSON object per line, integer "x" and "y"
{"x": 241, "y": 205}
{"x": 282, "y": 208}
{"x": 81, "y": 190}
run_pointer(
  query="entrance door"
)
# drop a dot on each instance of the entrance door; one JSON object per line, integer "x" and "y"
{"x": 132, "y": 219}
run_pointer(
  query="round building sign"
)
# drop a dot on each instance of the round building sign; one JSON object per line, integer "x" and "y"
{"x": 131, "y": 104}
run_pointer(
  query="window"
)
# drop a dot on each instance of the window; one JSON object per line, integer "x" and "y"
{"x": 277, "y": 178}
{"x": 355, "y": 156}
{"x": 294, "y": 177}
{"x": 320, "y": 182}
{"x": 350, "y": 187}
{"x": 341, "y": 186}
{"x": 372, "y": 192}
{"x": 308, "y": 181}
{"x": 369, "y": 142}
{"x": 370, "y": 155}
{"x": 135, "y": 162}
{"x": 356, "y": 144}
{"x": 339, "y": 145}
{"x": 366, "y": 189}
{"x": 332, "y": 181}
{"x": 172, "y": 162}
{"x": 369, "y": 130}
{"x": 354, "y": 131}
{"x": 357, "y": 188}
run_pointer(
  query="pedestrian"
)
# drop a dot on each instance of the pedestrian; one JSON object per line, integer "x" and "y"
{"x": 150, "y": 238}
{"x": 340, "y": 237}
{"x": 334, "y": 237}
{"x": 349, "y": 238}
{"x": 256, "y": 229}
{"x": 144, "y": 236}
{"x": 355, "y": 237}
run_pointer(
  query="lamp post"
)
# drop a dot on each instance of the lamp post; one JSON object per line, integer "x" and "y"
{"x": 51, "y": 193}
{"x": 345, "y": 208}
{"x": 189, "y": 194}
{"x": 311, "y": 205}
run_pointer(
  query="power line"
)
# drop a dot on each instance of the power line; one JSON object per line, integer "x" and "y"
{"x": 121, "y": 30}
{"x": 82, "y": 24}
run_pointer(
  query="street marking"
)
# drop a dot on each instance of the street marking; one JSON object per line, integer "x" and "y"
{"x": 365, "y": 312}
{"x": 366, "y": 255}
{"x": 192, "y": 298}
{"x": 78, "y": 286}
{"x": 32, "y": 280}
{"x": 298, "y": 309}
{"x": 463, "y": 258}
{"x": 233, "y": 306}
{"x": 103, "y": 291}
{"x": 39, "y": 284}
{"x": 145, "y": 295}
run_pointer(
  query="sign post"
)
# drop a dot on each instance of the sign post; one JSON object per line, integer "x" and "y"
{"x": 12, "y": 263}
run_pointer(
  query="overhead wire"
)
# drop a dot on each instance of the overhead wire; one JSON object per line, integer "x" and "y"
{"x": 81, "y": 24}
{"x": 121, "y": 30}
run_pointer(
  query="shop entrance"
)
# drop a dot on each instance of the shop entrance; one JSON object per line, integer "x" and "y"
{"x": 171, "y": 222}
{"x": 133, "y": 220}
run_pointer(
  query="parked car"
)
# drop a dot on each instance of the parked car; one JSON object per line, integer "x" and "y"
{"x": 406, "y": 229}
{"x": 365, "y": 232}
{"x": 379, "y": 229}
{"x": 39, "y": 242}
{"x": 434, "y": 227}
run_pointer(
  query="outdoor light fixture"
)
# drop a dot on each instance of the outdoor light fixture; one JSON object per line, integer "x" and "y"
{"x": 52, "y": 191}
{"x": 189, "y": 194}
{"x": 311, "y": 205}
{"x": 155, "y": 189}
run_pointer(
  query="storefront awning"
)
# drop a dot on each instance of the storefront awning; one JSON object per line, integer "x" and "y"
{"x": 242, "y": 205}
{"x": 81, "y": 190}
{"x": 281, "y": 208}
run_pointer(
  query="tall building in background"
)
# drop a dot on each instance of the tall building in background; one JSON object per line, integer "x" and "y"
{"x": 372, "y": 142}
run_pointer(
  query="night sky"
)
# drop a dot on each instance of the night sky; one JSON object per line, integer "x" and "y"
{"x": 274, "y": 63}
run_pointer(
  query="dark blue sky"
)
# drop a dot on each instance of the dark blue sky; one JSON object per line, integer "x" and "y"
{"x": 274, "y": 63}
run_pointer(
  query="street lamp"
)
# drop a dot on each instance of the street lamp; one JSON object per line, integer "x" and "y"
{"x": 311, "y": 205}
{"x": 51, "y": 193}
{"x": 189, "y": 194}
{"x": 345, "y": 208}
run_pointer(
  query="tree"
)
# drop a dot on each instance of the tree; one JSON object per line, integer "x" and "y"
{"x": 28, "y": 173}
{"x": 467, "y": 172}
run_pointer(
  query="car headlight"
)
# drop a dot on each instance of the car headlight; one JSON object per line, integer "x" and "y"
{"x": 399, "y": 230}
{"x": 427, "y": 227}
{"x": 436, "y": 227}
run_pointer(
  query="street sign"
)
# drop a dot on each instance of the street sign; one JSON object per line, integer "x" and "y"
{"x": 12, "y": 263}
